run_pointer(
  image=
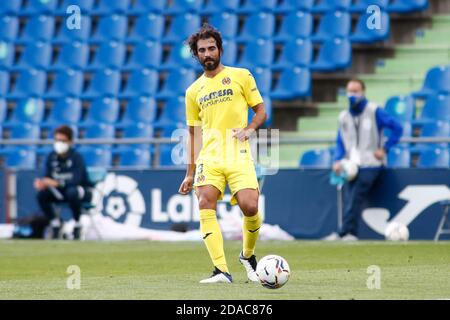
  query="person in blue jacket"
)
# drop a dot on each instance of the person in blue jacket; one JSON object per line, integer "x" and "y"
{"x": 360, "y": 141}
{"x": 65, "y": 180}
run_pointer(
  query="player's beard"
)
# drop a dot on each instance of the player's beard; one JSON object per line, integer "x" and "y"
{"x": 210, "y": 64}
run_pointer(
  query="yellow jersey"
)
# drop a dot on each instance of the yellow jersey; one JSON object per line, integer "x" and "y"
{"x": 218, "y": 105}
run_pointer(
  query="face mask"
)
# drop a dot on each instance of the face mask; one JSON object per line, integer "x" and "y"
{"x": 61, "y": 147}
{"x": 354, "y": 99}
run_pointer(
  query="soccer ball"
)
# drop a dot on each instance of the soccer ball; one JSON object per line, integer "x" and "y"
{"x": 273, "y": 271}
{"x": 396, "y": 231}
{"x": 350, "y": 169}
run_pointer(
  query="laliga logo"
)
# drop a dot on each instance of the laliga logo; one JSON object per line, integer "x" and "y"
{"x": 119, "y": 198}
{"x": 418, "y": 197}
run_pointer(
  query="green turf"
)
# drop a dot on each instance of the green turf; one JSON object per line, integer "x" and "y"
{"x": 150, "y": 270}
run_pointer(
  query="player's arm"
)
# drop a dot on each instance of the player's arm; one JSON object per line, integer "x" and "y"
{"x": 193, "y": 148}
{"x": 258, "y": 120}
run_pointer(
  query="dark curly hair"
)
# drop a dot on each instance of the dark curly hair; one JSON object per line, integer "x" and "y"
{"x": 207, "y": 31}
{"x": 66, "y": 131}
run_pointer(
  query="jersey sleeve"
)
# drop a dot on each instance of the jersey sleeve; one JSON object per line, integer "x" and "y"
{"x": 192, "y": 111}
{"x": 251, "y": 91}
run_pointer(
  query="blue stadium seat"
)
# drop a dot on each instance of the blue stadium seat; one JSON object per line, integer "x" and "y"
{"x": 289, "y": 6}
{"x": 100, "y": 131}
{"x": 84, "y": 5}
{"x": 165, "y": 156}
{"x": 230, "y": 52}
{"x": 31, "y": 82}
{"x": 434, "y": 129}
{"x": 3, "y": 110}
{"x": 437, "y": 80}
{"x": 363, "y": 34}
{"x": 102, "y": 110}
{"x": 434, "y": 158}
{"x": 139, "y": 109}
{"x": 316, "y": 159}
{"x": 183, "y": 6}
{"x": 110, "y": 54}
{"x": 147, "y": 27}
{"x": 22, "y": 131}
{"x": 36, "y": 7}
{"x": 333, "y": 55}
{"x": 402, "y": 6}
{"x": 293, "y": 83}
{"x": 173, "y": 114}
{"x": 183, "y": 25}
{"x": 67, "y": 82}
{"x": 146, "y": 6}
{"x": 95, "y": 156}
{"x": 180, "y": 56}
{"x": 263, "y": 78}
{"x": 66, "y": 110}
{"x": 218, "y": 6}
{"x": 332, "y": 25}
{"x": 268, "y": 108}
{"x": 399, "y": 158}
{"x": 360, "y": 6}
{"x": 27, "y": 110}
{"x": 6, "y": 54}
{"x": 146, "y": 54}
{"x": 38, "y": 28}
{"x": 254, "y": 6}
{"x": 9, "y": 28}
{"x": 104, "y": 82}
{"x": 10, "y": 7}
{"x": 112, "y": 27}
{"x": 257, "y": 53}
{"x": 4, "y": 83}
{"x": 108, "y": 7}
{"x": 35, "y": 55}
{"x": 401, "y": 108}
{"x": 136, "y": 130}
{"x": 141, "y": 82}
{"x": 73, "y": 55}
{"x": 297, "y": 24}
{"x": 330, "y": 5}
{"x": 21, "y": 158}
{"x": 298, "y": 52}
{"x": 437, "y": 107}
{"x": 135, "y": 157}
{"x": 227, "y": 23}
{"x": 176, "y": 83}
{"x": 66, "y": 35}
{"x": 257, "y": 25}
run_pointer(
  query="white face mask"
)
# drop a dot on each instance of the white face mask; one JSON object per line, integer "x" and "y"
{"x": 61, "y": 147}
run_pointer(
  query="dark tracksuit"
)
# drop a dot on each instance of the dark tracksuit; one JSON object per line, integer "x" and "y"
{"x": 70, "y": 172}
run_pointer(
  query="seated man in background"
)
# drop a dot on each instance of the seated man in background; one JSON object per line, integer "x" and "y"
{"x": 65, "y": 180}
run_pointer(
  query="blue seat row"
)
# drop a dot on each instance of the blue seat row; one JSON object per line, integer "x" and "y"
{"x": 107, "y": 7}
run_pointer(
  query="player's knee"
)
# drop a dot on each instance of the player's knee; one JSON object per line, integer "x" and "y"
{"x": 42, "y": 196}
{"x": 206, "y": 202}
{"x": 250, "y": 209}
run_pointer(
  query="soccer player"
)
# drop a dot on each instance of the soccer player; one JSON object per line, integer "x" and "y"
{"x": 217, "y": 117}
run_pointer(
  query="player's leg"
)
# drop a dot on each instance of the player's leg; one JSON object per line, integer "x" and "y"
{"x": 357, "y": 194}
{"x": 73, "y": 196}
{"x": 210, "y": 229}
{"x": 46, "y": 199}
{"x": 245, "y": 189}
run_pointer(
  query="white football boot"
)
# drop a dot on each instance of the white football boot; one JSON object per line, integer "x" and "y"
{"x": 218, "y": 276}
{"x": 250, "y": 267}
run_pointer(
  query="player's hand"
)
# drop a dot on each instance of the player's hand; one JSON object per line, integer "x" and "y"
{"x": 243, "y": 134}
{"x": 380, "y": 154}
{"x": 38, "y": 184}
{"x": 186, "y": 185}
{"x": 337, "y": 167}
{"x": 48, "y": 182}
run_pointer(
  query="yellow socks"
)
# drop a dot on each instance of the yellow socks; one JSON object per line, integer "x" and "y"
{"x": 212, "y": 236}
{"x": 250, "y": 232}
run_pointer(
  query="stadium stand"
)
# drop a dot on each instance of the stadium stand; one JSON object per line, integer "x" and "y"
{"x": 132, "y": 52}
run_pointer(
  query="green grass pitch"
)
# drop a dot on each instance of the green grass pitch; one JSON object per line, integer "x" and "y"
{"x": 154, "y": 270}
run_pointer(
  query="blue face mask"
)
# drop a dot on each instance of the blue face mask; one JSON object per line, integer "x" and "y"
{"x": 354, "y": 99}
